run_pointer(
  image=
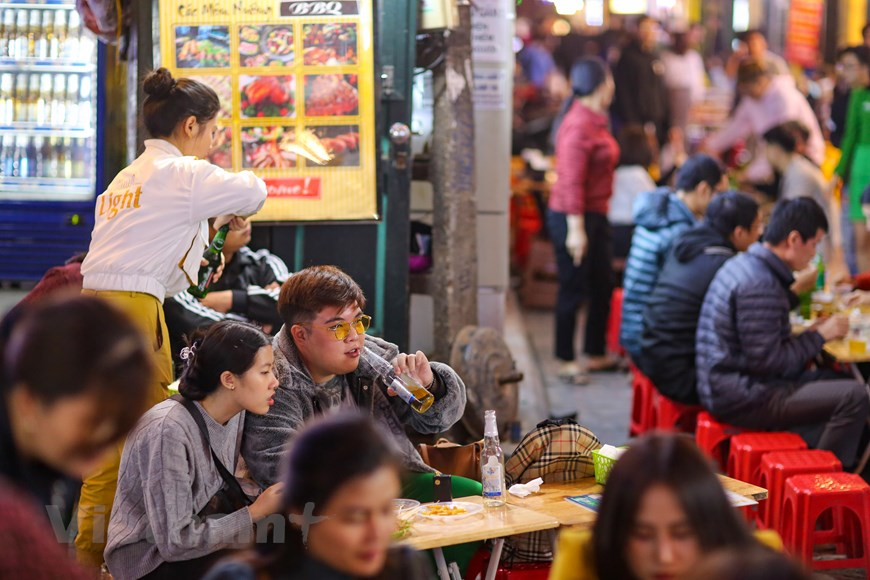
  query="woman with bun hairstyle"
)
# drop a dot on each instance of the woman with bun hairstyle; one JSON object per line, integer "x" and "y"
{"x": 150, "y": 230}
{"x": 586, "y": 157}
{"x": 163, "y": 523}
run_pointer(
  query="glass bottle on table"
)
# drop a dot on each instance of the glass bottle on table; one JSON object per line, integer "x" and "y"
{"x": 492, "y": 464}
{"x": 406, "y": 387}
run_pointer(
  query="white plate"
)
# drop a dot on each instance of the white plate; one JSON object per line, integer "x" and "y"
{"x": 470, "y": 510}
{"x": 402, "y": 505}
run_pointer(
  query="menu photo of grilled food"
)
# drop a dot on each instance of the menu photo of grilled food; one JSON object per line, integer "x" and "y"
{"x": 222, "y": 85}
{"x": 267, "y": 96}
{"x": 331, "y": 95}
{"x": 270, "y": 45}
{"x": 341, "y": 142}
{"x": 329, "y": 44}
{"x": 202, "y": 46}
{"x": 221, "y": 153}
{"x": 261, "y": 147}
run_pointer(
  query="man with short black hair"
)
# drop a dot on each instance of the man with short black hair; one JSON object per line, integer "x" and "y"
{"x": 670, "y": 320}
{"x": 751, "y": 368}
{"x": 659, "y": 216}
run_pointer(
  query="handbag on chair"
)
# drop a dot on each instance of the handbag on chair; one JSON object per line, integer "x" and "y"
{"x": 453, "y": 459}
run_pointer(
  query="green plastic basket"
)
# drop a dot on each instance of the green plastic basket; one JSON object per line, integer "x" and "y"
{"x": 603, "y": 466}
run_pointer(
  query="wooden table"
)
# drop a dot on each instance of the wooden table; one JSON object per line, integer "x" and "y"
{"x": 551, "y": 499}
{"x": 839, "y": 349}
{"x": 492, "y": 524}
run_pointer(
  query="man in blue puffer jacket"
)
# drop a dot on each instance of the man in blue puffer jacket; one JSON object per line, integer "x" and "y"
{"x": 751, "y": 368}
{"x": 659, "y": 216}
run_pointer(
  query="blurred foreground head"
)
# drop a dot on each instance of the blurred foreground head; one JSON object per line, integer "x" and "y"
{"x": 75, "y": 376}
{"x": 663, "y": 508}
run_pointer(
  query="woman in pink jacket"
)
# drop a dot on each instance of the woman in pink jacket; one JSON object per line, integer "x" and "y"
{"x": 586, "y": 157}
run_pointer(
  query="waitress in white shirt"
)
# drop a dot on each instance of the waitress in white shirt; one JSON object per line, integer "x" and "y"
{"x": 150, "y": 230}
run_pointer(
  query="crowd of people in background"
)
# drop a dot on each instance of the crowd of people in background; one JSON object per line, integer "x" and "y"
{"x": 283, "y": 451}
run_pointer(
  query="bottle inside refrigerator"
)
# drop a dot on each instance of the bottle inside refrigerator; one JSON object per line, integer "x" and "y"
{"x": 48, "y": 93}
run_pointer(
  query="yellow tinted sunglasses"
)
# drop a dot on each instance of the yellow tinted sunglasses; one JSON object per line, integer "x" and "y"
{"x": 341, "y": 329}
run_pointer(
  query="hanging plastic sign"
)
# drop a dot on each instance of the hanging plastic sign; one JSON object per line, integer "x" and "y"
{"x": 296, "y": 83}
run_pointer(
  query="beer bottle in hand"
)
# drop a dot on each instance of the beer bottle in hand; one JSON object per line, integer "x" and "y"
{"x": 212, "y": 255}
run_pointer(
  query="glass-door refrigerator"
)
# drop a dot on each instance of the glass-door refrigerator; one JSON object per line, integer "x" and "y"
{"x": 49, "y": 155}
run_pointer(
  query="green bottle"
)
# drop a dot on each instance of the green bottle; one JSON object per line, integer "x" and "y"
{"x": 212, "y": 255}
{"x": 820, "y": 267}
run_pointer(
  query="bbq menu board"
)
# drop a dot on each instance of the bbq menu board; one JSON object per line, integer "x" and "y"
{"x": 296, "y": 83}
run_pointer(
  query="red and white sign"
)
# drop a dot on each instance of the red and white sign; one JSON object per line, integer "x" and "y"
{"x": 294, "y": 187}
{"x": 804, "y": 31}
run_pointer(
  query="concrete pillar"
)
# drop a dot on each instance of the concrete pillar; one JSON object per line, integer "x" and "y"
{"x": 454, "y": 277}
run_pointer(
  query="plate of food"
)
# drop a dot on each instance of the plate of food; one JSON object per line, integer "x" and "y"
{"x": 249, "y": 41}
{"x": 279, "y": 43}
{"x": 402, "y": 505}
{"x": 449, "y": 510}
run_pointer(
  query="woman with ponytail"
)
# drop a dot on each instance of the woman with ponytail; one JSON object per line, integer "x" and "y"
{"x": 586, "y": 157}
{"x": 178, "y": 507}
{"x": 150, "y": 230}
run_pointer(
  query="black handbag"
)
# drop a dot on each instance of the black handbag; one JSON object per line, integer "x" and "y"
{"x": 230, "y": 497}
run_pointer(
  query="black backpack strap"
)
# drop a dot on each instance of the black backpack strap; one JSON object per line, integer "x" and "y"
{"x": 226, "y": 476}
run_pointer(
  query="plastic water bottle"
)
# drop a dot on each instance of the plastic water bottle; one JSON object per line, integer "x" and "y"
{"x": 492, "y": 464}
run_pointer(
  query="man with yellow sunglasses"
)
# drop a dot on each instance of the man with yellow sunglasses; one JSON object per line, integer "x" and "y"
{"x": 319, "y": 368}
{"x": 317, "y": 362}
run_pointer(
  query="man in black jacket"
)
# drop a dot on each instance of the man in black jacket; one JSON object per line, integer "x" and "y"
{"x": 247, "y": 290}
{"x": 752, "y": 371}
{"x": 732, "y": 223}
{"x": 641, "y": 96}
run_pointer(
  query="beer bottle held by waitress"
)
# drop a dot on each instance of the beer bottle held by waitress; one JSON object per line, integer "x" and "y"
{"x": 212, "y": 256}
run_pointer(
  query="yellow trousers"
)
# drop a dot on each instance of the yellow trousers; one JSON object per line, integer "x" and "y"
{"x": 98, "y": 489}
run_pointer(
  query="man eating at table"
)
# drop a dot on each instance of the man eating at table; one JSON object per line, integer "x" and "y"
{"x": 751, "y": 368}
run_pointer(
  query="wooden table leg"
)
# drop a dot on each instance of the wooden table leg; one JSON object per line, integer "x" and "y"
{"x": 494, "y": 558}
{"x": 441, "y": 564}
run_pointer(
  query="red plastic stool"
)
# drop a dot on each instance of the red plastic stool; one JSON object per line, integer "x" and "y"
{"x": 778, "y": 466}
{"x": 747, "y": 449}
{"x": 614, "y": 322}
{"x": 807, "y": 497}
{"x": 642, "y": 412}
{"x": 711, "y": 437}
{"x": 673, "y": 416}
